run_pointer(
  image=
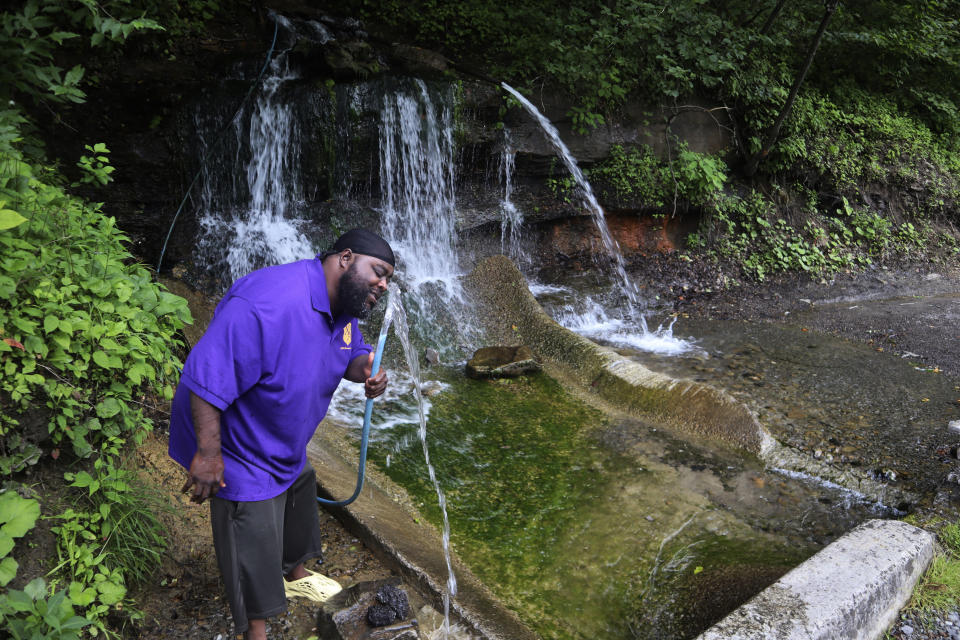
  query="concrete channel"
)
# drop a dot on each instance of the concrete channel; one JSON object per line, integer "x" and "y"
{"x": 851, "y": 589}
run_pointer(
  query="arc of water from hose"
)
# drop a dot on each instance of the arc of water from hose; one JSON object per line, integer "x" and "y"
{"x": 367, "y": 413}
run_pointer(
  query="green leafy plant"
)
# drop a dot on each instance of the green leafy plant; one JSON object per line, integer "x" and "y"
{"x": 747, "y": 229}
{"x": 911, "y": 237}
{"x": 87, "y": 340}
{"x": 32, "y": 615}
{"x": 29, "y": 614}
{"x": 851, "y": 137}
{"x": 31, "y": 37}
{"x": 17, "y": 516}
{"x": 86, "y": 334}
{"x": 120, "y": 518}
{"x": 9, "y": 218}
{"x": 96, "y": 167}
{"x": 636, "y": 174}
{"x": 633, "y": 173}
{"x": 82, "y": 332}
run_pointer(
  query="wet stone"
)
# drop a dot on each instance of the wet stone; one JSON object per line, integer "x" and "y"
{"x": 377, "y": 610}
{"x": 380, "y": 615}
{"x": 502, "y": 362}
{"x": 394, "y": 598}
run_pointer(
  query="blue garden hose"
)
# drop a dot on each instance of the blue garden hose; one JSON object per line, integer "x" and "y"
{"x": 365, "y": 435}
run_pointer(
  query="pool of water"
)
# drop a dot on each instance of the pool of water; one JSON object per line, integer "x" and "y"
{"x": 846, "y": 403}
{"x": 592, "y": 527}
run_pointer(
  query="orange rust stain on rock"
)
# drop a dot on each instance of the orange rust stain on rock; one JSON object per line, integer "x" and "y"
{"x": 634, "y": 234}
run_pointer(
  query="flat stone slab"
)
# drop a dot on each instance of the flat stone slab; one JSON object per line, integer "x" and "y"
{"x": 501, "y": 362}
{"x": 852, "y": 589}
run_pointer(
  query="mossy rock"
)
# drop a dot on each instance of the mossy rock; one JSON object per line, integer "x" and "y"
{"x": 502, "y": 362}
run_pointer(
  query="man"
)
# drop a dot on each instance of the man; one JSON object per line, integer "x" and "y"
{"x": 252, "y": 393}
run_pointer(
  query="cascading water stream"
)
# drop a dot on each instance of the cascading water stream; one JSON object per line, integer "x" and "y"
{"x": 511, "y": 218}
{"x": 586, "y": 194}
{"x": 251, "y": 225}
{"x": 417, "y": 185}
{"x": 418, "y": 209}
{"x": 595, "y": 320}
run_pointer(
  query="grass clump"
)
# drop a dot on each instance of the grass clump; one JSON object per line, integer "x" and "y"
{"x": 939, "y": 589}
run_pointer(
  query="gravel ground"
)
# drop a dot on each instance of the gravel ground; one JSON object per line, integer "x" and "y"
{"x": 916, "y": 626}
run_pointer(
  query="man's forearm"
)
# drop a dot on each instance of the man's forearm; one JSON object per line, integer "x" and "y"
{"x": 206, "y": 424}
{"x": 356, "y": 370}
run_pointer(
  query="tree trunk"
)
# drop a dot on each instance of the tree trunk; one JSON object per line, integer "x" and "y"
{"x": 770, "y": 138}
{"x": 772, "y": 17}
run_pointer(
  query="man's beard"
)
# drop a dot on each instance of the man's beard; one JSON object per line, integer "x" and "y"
{"x": 352, "y": 294}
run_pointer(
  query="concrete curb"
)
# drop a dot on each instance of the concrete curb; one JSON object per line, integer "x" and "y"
{"x": 511, "y": 312}
{"x": 852, "y": 589}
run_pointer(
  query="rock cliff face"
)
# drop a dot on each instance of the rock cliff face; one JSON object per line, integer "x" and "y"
{"x": 161, "y": 118}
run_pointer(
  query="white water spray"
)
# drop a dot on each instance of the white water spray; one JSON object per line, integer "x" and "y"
{"x": 417, "y": 185}
{"x": 418, "y": 211}
{"x": 586, "y": 193}
{"x": 402, "y": 332}
{"x": 511, "y": 218}
{"x": 258, "y": 219}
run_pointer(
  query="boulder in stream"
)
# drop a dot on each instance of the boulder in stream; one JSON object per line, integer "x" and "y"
{"x": 502, "y": 362}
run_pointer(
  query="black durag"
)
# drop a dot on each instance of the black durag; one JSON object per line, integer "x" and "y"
{"x": 362, "y": 241}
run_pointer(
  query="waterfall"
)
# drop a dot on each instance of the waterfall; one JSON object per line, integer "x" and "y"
{"x": 252, "y": 223}
{"x": 586, "y": 193}
{"x": 418, "y": 208}
{"x": 417, "y": 185}
{"x": 590, "y": 317}
{"x": 511, "y": 219}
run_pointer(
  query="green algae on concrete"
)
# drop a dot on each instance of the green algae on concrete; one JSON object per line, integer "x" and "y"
{"x": 512, "y": 456}
{"x": 582, "y": 540}
{"x": 512, "y": 314}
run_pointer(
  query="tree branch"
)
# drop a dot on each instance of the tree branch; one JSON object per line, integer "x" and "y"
{"x": 774, "y": 132}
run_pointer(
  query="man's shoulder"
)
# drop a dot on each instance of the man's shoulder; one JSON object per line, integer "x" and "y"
{"x": 273, "y": 285}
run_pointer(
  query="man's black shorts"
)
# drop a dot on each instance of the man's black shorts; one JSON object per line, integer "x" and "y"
{"x": 259, "y": 542}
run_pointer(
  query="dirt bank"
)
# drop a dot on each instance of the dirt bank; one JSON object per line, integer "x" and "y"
{"x": 185, "y": 598}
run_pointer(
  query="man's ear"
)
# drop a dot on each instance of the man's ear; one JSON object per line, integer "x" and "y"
{"x": 346, "y": 257}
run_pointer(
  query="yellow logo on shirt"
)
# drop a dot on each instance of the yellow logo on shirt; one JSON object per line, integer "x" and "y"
{"x": 347, "y": 336}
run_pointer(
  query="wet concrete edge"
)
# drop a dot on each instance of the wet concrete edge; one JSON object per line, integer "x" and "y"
{"x": 852, "y": 589}
{"x": 384, "y": 520}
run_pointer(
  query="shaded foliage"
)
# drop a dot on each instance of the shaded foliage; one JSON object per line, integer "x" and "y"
{"x": 601, "y": 53}
{"x": 87, "y": 339}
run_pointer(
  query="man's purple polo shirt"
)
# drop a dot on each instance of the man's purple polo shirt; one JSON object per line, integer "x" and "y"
{"x": 270, "y": 361}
